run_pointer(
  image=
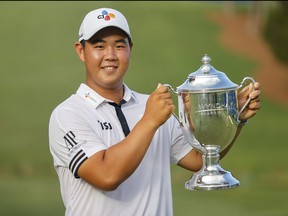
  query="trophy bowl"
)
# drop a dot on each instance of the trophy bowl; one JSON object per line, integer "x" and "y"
{"x": 208, "y": 111}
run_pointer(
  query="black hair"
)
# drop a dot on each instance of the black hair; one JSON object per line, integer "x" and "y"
{"x": 83, "y": 43}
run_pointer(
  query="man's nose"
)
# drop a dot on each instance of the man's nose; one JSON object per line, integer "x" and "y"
{"x": 110, "y": 54}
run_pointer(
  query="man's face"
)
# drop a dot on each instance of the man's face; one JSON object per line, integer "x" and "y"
{"x": 106, "y": 59}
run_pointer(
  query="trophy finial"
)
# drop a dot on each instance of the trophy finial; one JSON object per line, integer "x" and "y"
{"x": 206, "y": 59}
{"x": 206, "y": 67}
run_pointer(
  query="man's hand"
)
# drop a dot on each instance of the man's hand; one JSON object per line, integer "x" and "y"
{"x": 159, "y": 106}
{"x": 254, "y": 105}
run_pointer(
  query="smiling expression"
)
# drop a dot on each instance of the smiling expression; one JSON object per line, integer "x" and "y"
{"x": 106, "y": 56}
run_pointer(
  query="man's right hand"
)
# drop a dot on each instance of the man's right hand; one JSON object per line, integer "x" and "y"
{"x": 159, "y": 106}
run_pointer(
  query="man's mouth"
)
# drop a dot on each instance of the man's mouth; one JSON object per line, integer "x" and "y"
{"x": 109, "y": 68}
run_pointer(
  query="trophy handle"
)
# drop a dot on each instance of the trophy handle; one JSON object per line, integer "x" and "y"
{"x": 248, "y": 101}
{"x": 177, "y": 93}
{"x": 171, "y": 89}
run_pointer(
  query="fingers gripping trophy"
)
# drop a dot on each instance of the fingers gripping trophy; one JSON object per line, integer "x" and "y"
{"x": 208, "y": 111}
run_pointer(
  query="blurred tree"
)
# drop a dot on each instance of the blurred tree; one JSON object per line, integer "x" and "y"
{"x": 269, "y": 18}
{"x": 229, "y": 7}
{"x": 258, "y": 11}
{"x": 275, "y": 30}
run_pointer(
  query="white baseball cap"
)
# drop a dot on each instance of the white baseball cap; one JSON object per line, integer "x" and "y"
{"x": 100, "y": 18}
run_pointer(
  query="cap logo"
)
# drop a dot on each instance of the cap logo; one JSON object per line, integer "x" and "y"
{"x": 105, "y": 15}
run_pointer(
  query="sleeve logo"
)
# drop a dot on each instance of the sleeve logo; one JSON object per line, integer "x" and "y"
{"x": 70, "y": 141}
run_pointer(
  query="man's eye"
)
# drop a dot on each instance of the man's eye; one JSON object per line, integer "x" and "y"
{"x": 99, "y": 46}
{"x": 121, "y": 46}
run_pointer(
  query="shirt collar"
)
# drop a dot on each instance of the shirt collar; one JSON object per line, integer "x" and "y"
{"x": 95, "y": 99}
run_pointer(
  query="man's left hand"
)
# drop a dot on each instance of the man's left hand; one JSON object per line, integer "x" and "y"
{"x": 254, "y": 105}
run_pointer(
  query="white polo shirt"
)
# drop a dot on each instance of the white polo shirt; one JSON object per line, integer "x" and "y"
{"x": 85, "y": 124}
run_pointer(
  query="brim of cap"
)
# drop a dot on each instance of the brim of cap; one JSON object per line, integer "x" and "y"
{"x": 88, "y": 35}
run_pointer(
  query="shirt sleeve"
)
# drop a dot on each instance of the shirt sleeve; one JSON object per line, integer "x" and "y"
{"x": 72, "y": 139}
{"x": 179, "y": 145}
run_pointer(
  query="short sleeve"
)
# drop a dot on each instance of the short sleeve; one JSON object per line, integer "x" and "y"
{"x": 179, "y": 145}
{"x": 72, "y": 139}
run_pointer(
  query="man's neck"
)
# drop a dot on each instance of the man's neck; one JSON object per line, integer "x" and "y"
{"x": 113, "y": 94}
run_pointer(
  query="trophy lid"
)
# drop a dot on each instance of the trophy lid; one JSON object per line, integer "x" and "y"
{"x": 206, "y": 79}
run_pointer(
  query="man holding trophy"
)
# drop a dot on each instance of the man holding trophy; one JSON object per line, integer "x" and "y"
{"x": 112, "y": 147}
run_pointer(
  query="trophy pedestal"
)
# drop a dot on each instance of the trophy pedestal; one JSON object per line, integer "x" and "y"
{"x": 211, "y": 176}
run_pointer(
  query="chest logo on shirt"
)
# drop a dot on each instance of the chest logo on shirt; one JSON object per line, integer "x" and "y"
{"x": 105, "y": 125}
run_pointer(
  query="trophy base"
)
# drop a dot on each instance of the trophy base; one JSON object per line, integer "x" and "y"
{"x": 205, "y": 180}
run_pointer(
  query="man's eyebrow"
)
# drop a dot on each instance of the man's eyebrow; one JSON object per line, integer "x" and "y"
{"x": 100, "y": 40}
{"x": 96, "y": 40}
{"x": 121, "y": 41}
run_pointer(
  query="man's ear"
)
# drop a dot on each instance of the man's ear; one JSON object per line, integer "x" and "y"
{"x": 79, "y": 50}
{"x": 131, "y": 45}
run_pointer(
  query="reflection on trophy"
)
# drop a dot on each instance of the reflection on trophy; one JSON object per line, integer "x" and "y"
{"x": 208, "y": 111}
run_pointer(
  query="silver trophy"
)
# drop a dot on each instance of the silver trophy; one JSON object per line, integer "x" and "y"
{"x": 208, "y": 111}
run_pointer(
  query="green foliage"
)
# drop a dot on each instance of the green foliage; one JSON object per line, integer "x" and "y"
{"x": 276, "y": 30}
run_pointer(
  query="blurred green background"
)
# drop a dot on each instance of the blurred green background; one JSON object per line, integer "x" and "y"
{"x": 39, "y": 69}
